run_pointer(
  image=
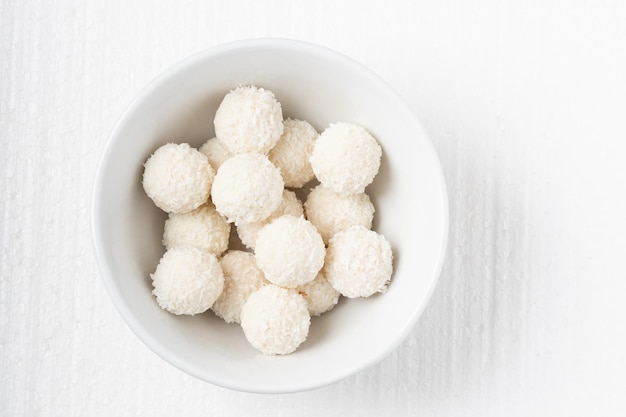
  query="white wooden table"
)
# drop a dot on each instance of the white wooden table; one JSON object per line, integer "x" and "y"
{"x": 525, "y": 103}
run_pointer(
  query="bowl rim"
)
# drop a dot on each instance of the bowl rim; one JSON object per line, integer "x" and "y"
{"x": 106, "y": 273}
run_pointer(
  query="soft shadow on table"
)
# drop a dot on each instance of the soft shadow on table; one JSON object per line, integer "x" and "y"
{"x": 473, "y": 323}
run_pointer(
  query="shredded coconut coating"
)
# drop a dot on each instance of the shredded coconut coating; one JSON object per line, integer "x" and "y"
{"x": 320, "y": 296}
{"x": 275, "y": 320}
{"x": 187, "y": 281}
{"x": 292, "y": 152}
{"x": 247, "y": 188}
{"x": 331, "y": 212}
{"x": 249, "y": 119}
{"x": 177, "y": 178}
{"x": 346, "y": 158}
{"x": 242, "y": 277}
{"x": 203, "y": 228}
{"x": 289, "y": 205}
{"x": 290, "y": 251}
{"x": 216, "y": 153}
{"x": 358, "y": 262}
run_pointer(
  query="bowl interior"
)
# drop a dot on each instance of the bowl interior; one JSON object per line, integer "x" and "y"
{"x": 322, "y": 87}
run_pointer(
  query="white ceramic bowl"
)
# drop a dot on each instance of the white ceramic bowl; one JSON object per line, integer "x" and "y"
{"x": 315, "y": 84}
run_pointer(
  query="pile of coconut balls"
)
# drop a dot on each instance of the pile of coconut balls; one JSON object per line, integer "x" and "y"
{"x": 302, "y": 257}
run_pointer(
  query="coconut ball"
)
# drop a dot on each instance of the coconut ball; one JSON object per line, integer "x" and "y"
{"x": 177, "y": 178}
{"x": 203, "y": 228}
{"x": 187, "y": 281}
{"x": 289, "y": 205}
{"x": 292, "y": 152}
{"x": 275, "y": 320}
{"x": 320, "y": 296}
{"x": 247, "y": 188}
{"x": 249, "y": 119}
{"x": 358, "y": 262}
{"x": 331, "y": 212}
{"x": 346, "y": 158}
{"x": 241, "y": 278}
{"x": 216, "y": 153}
{"x": 290, "y": 251}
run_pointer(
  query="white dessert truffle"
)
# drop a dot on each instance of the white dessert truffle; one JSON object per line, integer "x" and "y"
{"x": 203, "y": 228}
{"x": 249, "y": 119}
{"x": 242, "y": 277}
{"x": 292, "y": 152}
{"x": 358, "y": 262}
{"x": 275, "y": 320}
{"x": 216, "y": 153}
{"x": 178, "y": 178}
{"x": 289, "y": 205}
{"x": 239, "y": 177}
{"x": 187, "y": 281}
{"x": 320, "y": 296}
{"x": 346, "y": 158}
{"x": 247, "y": 188}
{"x": 290, "y": 251}
{"x": 331, "y": 212}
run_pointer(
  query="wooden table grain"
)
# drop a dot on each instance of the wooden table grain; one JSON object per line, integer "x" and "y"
{"x": 525, "y": 103}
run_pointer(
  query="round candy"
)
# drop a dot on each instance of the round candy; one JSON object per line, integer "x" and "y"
{"x": 358, "y": 262}
{"x": 275, "y": 320}
{"x": 320, "y": 296}
{"x": 292, "y": 152}
{"x": 216, "y": 153}
{"x": 187, "y": 281}
{"x": 290, "y": 251}
{"x": 289, "y": 205}
{"x": 249, "y": 119}
{"x": 247, "y": 188}
{"x": 203, "y": 228}
{"x": 331, "y": 212}
{"x": 178, "y": 178}
{"x": 346, "y": 158}
{"x": 241, "y": 278}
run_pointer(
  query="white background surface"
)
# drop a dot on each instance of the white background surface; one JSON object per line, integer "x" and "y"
{"x": 525, "y": 103}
